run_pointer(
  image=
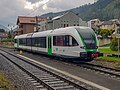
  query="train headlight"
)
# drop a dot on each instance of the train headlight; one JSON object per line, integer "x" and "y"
{"x": 96, "y": 47}
{"x": 83, "y": 47}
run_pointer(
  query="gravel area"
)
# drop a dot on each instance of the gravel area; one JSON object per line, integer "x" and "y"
{"x": 114, "y": 65}
{"x": 15, "y": 75}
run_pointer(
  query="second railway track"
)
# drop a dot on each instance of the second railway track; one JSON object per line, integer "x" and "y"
{"x": 102, "y": 69}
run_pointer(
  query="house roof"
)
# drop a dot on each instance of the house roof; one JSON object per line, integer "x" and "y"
{"x": 57, "y": 17}
{"x": 30, "y": 20}
{"x": 107, "y": 23}
{"x": 110, "y": 22}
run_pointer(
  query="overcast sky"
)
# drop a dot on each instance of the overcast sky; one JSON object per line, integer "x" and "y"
{"x": 11, "y": 9}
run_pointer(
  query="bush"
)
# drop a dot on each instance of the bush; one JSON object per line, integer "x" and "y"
{"x": 7, "y": 40}
{"x": 105, "y": 32}
{"x": 114, "y": 44}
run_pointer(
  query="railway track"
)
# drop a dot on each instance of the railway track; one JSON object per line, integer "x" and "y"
{"x": 108, "y": 71}
{"x": 42, "y": 78}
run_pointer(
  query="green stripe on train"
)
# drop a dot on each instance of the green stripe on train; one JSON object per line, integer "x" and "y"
{"x": 49, "y": 45}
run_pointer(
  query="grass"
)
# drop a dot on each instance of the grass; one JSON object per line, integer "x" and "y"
{"x": 4, "y": 83}
{"x": 108, "y": 51}
{"x": 106, "y": 58}
{"x": 109, "y": 59}
{"x": 8, "y": 45}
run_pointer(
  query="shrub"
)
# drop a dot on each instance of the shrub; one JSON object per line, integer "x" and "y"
{"x": 114, "y": 44}
{"x": 105, "y": 32}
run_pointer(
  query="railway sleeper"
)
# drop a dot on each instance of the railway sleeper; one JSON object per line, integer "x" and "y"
{"x": 43, "y": 76}
{"x": 52, "y": 80}
{"x": 64, "y": 87}
{"x": 59, "y": 84}
{"x": 48, "y": 78}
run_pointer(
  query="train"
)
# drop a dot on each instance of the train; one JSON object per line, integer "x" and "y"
{"x": 72, "y": 43}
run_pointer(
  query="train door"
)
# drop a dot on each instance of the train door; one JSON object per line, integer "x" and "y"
{"x": 49, "y": 45}
{"x": 17, "y": 43}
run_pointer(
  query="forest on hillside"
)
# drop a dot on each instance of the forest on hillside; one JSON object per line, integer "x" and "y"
{"x": 102, "y": 9}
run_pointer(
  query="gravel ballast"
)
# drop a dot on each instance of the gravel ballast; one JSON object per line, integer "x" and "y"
{"x": 15, "y": 75}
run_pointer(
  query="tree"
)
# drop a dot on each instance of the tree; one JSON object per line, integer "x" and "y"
{"x": 9, "y": 35}
{"x": 105, "y": 32}
{"x": 2, "y": 30}
{"x": 114, "y": 44}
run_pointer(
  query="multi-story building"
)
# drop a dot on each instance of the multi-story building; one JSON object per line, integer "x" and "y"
{"x": 65, "y": 20}
{"x": 110, "y": 25}
{"x": 27, "y": 24}
{"x": 3, "y": 35}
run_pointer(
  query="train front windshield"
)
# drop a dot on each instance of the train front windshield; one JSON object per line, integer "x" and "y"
{"x": 88, "y": 37}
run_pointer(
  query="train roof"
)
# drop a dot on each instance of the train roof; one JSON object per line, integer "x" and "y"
{"x": 67, "y": 30}
{"x": 42, "y": 34}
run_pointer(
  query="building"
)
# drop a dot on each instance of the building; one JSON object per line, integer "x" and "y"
{"x": 94, "y": 24}
{"x": 3, "y": 35}
{"x": 110, "y": 25}
{"x": 65, "y": 20}
{"x": 27, "y": 24}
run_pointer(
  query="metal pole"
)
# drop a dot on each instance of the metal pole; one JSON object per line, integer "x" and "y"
{"x": 118, "y": 47}
{"x": 11, "y": 35}
{"x": 53, "y": 24}
{"x": 36, "y": 24}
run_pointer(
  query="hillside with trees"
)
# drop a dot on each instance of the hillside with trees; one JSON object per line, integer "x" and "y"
{"x": 102, "y": 9}
{"x": 2, "y": 30}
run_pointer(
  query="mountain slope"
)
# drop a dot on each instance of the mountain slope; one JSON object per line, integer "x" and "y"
{"x": 102, "y": 9}
{"x": 3, "y": 27}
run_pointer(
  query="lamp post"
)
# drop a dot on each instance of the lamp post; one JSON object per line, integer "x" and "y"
{"x": 118, "y": 36}
{"x": 11, "y": 32}
{"x": 11, "y": 35}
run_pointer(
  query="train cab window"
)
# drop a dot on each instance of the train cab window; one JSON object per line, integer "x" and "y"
{"x": 74, "y": 42}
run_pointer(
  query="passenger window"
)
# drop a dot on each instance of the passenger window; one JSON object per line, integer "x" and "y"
{"x": 65, "y": 40}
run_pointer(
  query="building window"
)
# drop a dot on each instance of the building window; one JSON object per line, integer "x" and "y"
{"x": 64, "y": 25}
{"x": 67, "y": 25}
{"x": 32, "y": 20}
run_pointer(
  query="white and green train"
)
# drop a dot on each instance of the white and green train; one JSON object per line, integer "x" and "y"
{"x": 71, "y": 42}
